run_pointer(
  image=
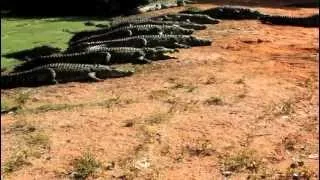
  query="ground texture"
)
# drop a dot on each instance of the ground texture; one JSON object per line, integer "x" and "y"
{"x": 245, "y": 106}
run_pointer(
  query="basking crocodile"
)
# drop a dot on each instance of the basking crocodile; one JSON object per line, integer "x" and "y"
{"x": 123, "y": 42}
{"x": 134, "y": 30}
{"x": 60, "y": 73}
{"x": 168, "y": 41}
{"x": 30, "y": 78}
{"x": 133, "y": 55}
{"x": 195, "y": 18}
{"x": 67, "y": 72}
{"x": 187, "y": 25}
{"x": 230, "y": 12}
{"x": 80, "y": 57}
{"x": 174, "y": 41}
{"x": 309, "y": 21}
{"x": 159, "y": 5}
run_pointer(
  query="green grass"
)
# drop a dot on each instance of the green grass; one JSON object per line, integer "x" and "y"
{"x": 21, "y": 34}
{"x": 85, "y": 166}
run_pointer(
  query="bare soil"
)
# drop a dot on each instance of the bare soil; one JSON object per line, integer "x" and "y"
{"x": 255, "y": 88}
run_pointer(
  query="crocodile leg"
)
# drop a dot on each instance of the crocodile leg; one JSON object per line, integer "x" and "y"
{"x": 92, "y": 76}
{"x": 178, "y": 45}
{"x": 130, "y": 33}
{"x": 142, "y": 59}
{"x": 144, "y": 42}
{"x": 53, "y": 73}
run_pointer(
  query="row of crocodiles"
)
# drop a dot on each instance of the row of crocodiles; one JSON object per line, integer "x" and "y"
{"x": 91, "y": 53}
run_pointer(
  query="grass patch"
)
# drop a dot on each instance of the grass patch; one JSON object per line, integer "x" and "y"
{"x": 284, "y": 108}
{"x": 215, "y": 100}
{"x": 201, "y": 148}
{"x": 37, "y": 139}
{"x": 15, "y": 162}
{"x": 156, "y": 118}
{"x": 85, "y": 166}
{"x": 245, "y": 160}
{"x": 57, "y": 107}
{"x": 22, "y": 126}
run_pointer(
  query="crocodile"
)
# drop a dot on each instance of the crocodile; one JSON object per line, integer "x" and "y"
{"x": 195, "y": 18}
{"x": 123, "y": 42}
{"x": 55, "y": 73}
{"x": 230, "y": 12}
{"x": 127, "y": 54}
{"x": 174, "y": 41}
{"x": 187, "y": 25}
{"x": 79, "y": 57}
{"x": 67, "y": 72}
{"x": 30, "y": 78}
{"x": 168, "y": 41}
{"x": 137, "y": 21}
{"x": 158, "y": 6}
{"x": 309, "y": 21}
{"x": 134, "y": 30}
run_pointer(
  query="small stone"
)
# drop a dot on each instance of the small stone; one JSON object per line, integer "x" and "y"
{"x": 227, "y": 173}
{"x": 314, "y": 156}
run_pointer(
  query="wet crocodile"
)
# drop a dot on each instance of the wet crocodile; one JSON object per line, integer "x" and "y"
{"x": 77, "y": 58}
{"x": 134, "y": 30}
{"x": 60, "y": 73}
{"x": 195, "y": 18}
{"x": 309, "y": 21}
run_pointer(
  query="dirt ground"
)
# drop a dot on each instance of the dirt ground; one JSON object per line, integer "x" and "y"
{"x": 255, "y": 89}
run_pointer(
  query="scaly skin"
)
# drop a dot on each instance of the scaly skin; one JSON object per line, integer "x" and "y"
{"x": 31, "y": 78}
{"x": 66, "y": 72}
{"x": 123, "y": 42}
{"x": 195, "y": 18}
{"x": 77, "y": 58}
{"x": 121, "y": 54}
{"x": 133, "y": 55}
{"x": 232, "y": 12}
{"x": 187, "y": 25}
{"x": 174, "y": 41}
{"x": 310, "y": 21}
{"x": 134, "y": 30}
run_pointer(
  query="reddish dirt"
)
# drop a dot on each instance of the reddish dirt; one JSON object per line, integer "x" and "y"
{"x": 251, "y": 68}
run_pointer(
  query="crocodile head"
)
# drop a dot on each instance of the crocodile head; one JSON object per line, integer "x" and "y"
{"x": 104, "y": 72}
{"x": 195, "y": 41}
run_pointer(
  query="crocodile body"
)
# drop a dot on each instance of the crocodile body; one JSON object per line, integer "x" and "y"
{"x": 232, "y": 12}
{"x": 123, "y": 42}
{"x": 60, "y": 73}
{"x": 140, "y": 21}
{"x": 135, "y": 30}
{"x": 174, "y": 41}
{"x": 131, "y": 54}
{"x": 195, "y": 18}
{"x": 187, "y": 25}
{"x": 77, "y": 58}
{"x": 310, "y": 21}
{"x": 31, "y": 78}
{"x": 66, "y": 72}
{"x": 168, "y": 41}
